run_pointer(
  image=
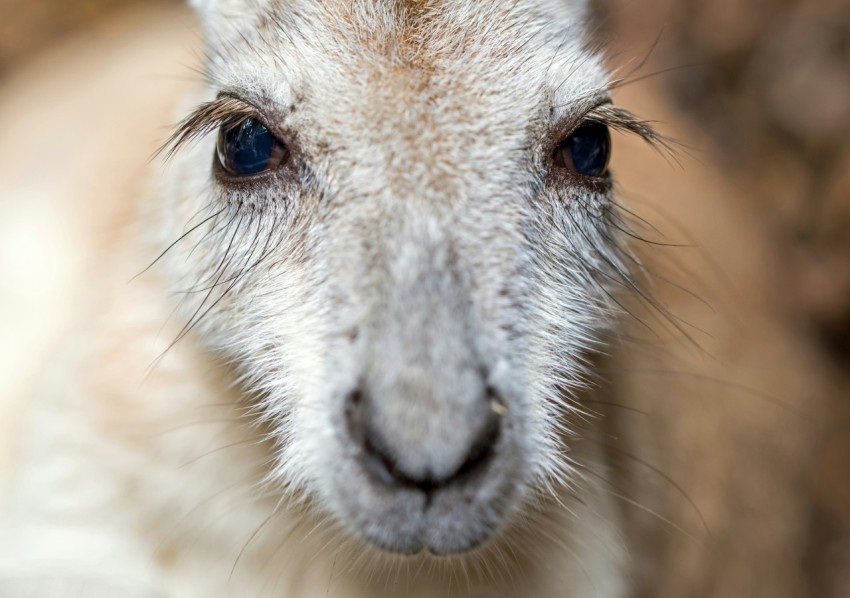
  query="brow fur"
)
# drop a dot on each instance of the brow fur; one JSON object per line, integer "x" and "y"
{"x": 228, "y": 108}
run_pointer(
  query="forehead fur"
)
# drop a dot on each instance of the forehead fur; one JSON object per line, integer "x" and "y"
{"x": 281, "y": 50}
{"x": 409, "y": 96}
{"x": 407, "y": 26}
{"x": 411, "y": 8}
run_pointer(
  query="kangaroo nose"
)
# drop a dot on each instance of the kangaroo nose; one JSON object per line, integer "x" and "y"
{"x": 451, "y": 450}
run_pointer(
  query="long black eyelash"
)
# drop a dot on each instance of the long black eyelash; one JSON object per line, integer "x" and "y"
{"x": 623, "y": 120}
{"x": 626, "y": 122}
{"x": 206, "y": 117}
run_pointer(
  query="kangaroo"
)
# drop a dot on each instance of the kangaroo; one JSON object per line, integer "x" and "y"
{"x": 389, "y": 258}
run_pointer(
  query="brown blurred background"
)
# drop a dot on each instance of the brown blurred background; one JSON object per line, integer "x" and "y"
{"x": 759, "y": 93}
{"x": 743, "y": 415}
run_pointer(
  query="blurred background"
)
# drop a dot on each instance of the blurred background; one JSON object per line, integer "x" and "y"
{"x": 740, "y": 401}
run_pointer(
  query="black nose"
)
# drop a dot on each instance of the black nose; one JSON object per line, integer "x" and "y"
{"x": 383, "y": 463}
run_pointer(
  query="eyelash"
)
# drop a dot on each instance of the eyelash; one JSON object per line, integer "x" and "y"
{"x": 228, "y": 109}
{"x": 205, "y": 119}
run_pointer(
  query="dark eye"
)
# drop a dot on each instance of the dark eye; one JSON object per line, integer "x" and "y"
{"x": 247, "y": 148}
{"x": 586, "y": 151}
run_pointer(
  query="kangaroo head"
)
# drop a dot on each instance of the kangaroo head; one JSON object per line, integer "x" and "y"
{"x": 401, "y": 231}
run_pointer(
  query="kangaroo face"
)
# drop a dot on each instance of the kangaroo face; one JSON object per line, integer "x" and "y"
{"x": 399, "y": 230}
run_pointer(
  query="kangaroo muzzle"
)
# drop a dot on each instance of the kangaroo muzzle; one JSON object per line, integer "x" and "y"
{"x": 428, "y": 427}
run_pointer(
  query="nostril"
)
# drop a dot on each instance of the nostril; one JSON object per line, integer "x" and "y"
{"x": 382, "y": 466}
{"x": 379, "y": 462}
{"x": 353, "y": 401}
{"x": 354, "y": 418}
{"x": 482, "y": 450}
{"x": 376, "y": 459}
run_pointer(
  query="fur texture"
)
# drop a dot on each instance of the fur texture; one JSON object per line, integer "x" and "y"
{"x": 418, "y": 245}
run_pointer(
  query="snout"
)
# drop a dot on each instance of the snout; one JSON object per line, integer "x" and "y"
{"x": 424, "y": 471}
{"x": 444, "y": 453}
{"x": 425, "y": 408}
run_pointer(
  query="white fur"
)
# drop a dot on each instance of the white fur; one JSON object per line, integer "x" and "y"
{"x": 223, "y": 473}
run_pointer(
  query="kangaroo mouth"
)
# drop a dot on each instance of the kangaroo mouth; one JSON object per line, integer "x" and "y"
{"x": 445, "y": 515}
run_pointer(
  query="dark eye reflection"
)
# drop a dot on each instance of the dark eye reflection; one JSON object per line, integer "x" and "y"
{"x": 586, "y": 151}
{"x": 248, "y": 148}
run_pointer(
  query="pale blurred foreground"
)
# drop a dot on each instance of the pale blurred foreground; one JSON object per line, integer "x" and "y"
{"x": 80, "y": 119}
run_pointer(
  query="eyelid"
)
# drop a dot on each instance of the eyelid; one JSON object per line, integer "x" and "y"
{"x": 270, "y": 117}
{"x": 227, "y": 107}
{"x": 249, "y": 109}
{"x": 568, "y": 125}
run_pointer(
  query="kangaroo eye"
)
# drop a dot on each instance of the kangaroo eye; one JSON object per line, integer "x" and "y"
{"x": 248, "y": 147}
{"x": 586, "y": 151}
